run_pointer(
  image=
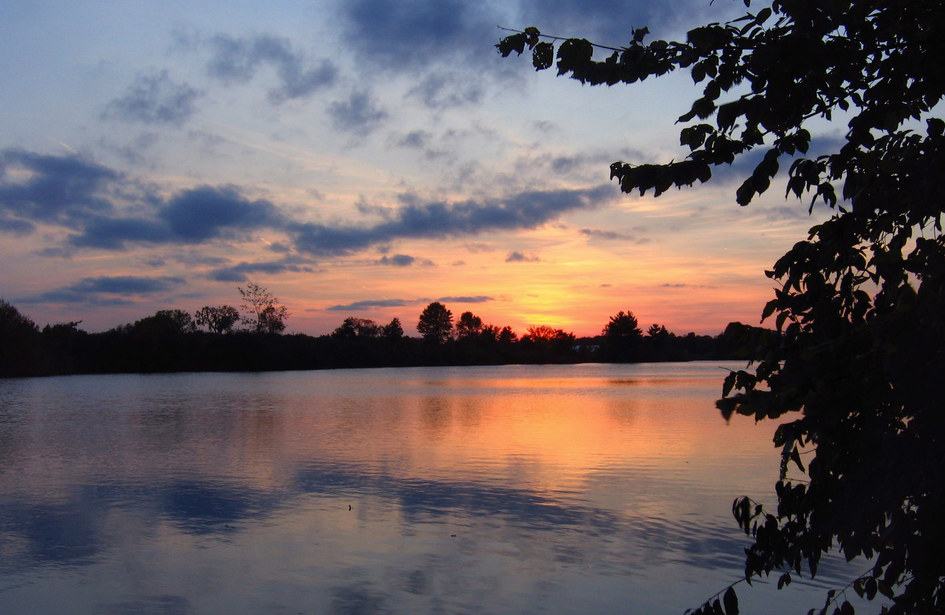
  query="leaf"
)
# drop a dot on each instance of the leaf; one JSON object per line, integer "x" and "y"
{"x": 796, "y": 458}
{"x": 728, "y": 383}
{"x": 731, "y": 602}
{"x": 770, "y": 307}
{"x": 543, "y": 55}
{"x": 745, "y": 192}
{"x": 514, "y": 42}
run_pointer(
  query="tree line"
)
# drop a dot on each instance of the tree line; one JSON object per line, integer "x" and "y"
{"x": 224, "y": 338}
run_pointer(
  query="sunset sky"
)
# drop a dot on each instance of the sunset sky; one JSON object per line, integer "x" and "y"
{"x": 358, "y": 158}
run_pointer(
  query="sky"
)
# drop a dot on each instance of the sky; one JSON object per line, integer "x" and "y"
{"x": 359, "y": 158}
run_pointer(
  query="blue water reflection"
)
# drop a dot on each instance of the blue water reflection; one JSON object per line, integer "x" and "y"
{"x": 542, "y": 489}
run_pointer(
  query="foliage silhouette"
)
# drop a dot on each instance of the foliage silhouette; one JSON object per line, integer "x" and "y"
{"x": 623, "y": 338}
{"x": 436, "y": 323}
{"x": 264, "y": 313}
{"x": 393, "y": 330}
{"x": 357, "y": 327}
{"x": 18, "y": 339}
{"x": 217, "y": 318}
{"x": 469, "y": 325}
{"x": 860, "y": 304}
{"x": 168, "y": 341}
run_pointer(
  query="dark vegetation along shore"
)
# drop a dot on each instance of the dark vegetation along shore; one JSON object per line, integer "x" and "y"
{"x": 220, "y": 338}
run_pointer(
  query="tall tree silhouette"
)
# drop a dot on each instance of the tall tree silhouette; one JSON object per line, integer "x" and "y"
{"x": 264, "y": 314}
{"x": 436, "y": 323}
{"x": 18, "y": 339}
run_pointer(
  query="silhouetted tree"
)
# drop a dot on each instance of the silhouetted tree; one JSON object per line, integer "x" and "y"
{"x": 18, "y": 338}
{"x": 436, "y": 323}
{"x": 181, "y": 318}
{"x": 549, "y": 340}
{"x": 64, "y": 349}
{"x": 658, "y": 344}
{"x": 469, "y": 325}
{"x": 623, "y": 326}
{"x": 357, "y": 327}
{"x": 393, "y": 330}
{"x": 489, "y": 334}
{"x": 217, "y": 318}
{"x": 507, "y": 336}
{"x": 264, "y": 314}
{"x": 622, "y": 338}
{"x": 860, "y": 304}
{"x": 656, "y": 331}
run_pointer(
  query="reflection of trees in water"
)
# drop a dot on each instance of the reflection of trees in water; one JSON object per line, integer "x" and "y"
{"x": 435, "y": 415}
{"x": 623, "y": 411}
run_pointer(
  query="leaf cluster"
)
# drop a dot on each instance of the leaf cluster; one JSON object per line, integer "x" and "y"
{"x": 859, "y": 305}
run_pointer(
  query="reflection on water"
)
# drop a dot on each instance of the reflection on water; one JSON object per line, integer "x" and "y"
{"x": 538, "y": 489}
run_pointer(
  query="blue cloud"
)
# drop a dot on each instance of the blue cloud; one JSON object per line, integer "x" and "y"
{"x": 205, "y": 213}
{"x": 192, "y": 216}
{"x": 114, "y": 233}
{"x": 397, "y": 260}
{"x": 415, "y": 139}
{"x": 154, "y": 99}
{"x": 466, "y": 299}
{"x": 242, "y": 271}
{"x": 612, "y": 235}
{"x": 77, "y": 193}
{"x": 518, "y": 257}
{"x": 127, "y": 285}
{"x": 358, "y": 114}
{"x": 114, "y": 288}
{"x": 16, "y": 227}
{"x": 442, "y": 90}
{"x": 54, "y": 189}
{"x": 370, "y": 303}
{"x": 437, "y": 220}
{"x": 238, "y": 60}
{"x": 404, "y": 35}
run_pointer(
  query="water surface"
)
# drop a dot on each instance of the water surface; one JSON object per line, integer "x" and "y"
{"x": 512, "y": 489}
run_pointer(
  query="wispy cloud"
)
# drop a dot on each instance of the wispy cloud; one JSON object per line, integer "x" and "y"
{"x": 44, "y": 188}
{"x": 191, "y": 216}
{"x": 237, "y": 60}
{"x": 84, "y": 197}
{"x": 416, "y": 139}
{"x": 400, "y": 260}
{"x": 371, "y": 303}
{"x": 612, "y": 236}
{"x": 242, "y": 271}
{"x": 153, "y": 98}
{"x": 466, "y": 299}
{"x": 445, "y": 89}
{"x": 437, "y": 219}
{"x": 407, "y": 36}
{"x": 518, "y": 257}
{"x": 358, "y": 114}
{"x": 107, "y": 290}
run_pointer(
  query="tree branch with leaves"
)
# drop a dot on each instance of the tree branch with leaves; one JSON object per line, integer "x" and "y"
{"x": 859, "y": 303}
{"x": 263, "y": 314}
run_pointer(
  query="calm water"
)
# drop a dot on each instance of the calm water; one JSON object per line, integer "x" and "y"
{"x": 515, "y": 489}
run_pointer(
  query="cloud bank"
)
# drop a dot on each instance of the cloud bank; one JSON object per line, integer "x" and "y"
{"x": 106, "y": 211}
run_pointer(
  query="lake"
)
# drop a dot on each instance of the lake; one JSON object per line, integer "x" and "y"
{"x": 507, "y": 489}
